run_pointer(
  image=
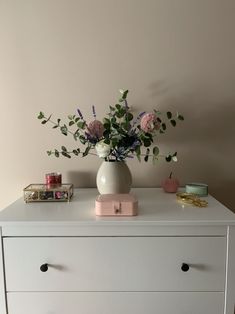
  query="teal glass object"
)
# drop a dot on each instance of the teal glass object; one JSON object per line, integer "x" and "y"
{"x": 199, "y": 189}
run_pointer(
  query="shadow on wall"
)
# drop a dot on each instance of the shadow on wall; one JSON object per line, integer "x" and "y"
{"x": 205, "y": 141}
{"x": 81, "y": 179}
{"x": 225, "y": 194}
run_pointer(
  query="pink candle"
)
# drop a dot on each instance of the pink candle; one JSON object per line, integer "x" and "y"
{"x": 53, "y": 179}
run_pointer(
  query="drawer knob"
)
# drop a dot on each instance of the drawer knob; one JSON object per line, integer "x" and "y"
{"x": 44, "y": 268}
{"x": 185, "y": 267}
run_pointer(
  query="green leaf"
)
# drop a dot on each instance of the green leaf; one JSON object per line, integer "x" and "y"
{"x": 126, "y": 125}
{"x": 168, "y": 158}
{"x": 106, "y": 134}
{"x": 155, "y": 151}
{"x": 129, "y": 116}
{"x": 70, "y": 117}
{"x": 113, "y": 142}
{"x": 159, "y": 120}
{"x": 81, "y": 125}
{"x": 57, "y": 154}
{"x": 64, "y": 148}
{"x": 75, "y": 152}
{"x": 66, "y": 154}
{"x": 58, "y": 121}
{"x": 115, "y": 126}
{"x": 71, "y": 123}
{"x": 41, "y": 115}
{"x": 49, "y": 152}
{"x": 113, "y": 120}
{"x": 107, "y": 141}
{"x": 120, "y": 114}
{"x": 118, "y": 107}
{"x": 82, "y": 139}
{"x": 106, "y": 121}
{"x": 64, "y": 130}
{"x": 173, "y": 122}
{"x": 77, "y": 119}
{"x": 174, "y": 157}
{"x": 164, "y": 126}
{"x": 157, "y": 111}
{"x": 147, "y": 142}
{"x": 55, "y": 126}
{"x": 44, "y": 122}
{"x": 75, "y": 136}
{"x": 180, "y": 117}
{"x": 106, "y": 126}
{"x": 124, "y": 95}
{"x": 111, "y": 108}
{"x": 169, "y": 115}
{"x": 86, "y": 151}
{"x": 146, "y": 157}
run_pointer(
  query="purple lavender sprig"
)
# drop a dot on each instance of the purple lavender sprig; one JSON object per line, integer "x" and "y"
{"x": 126, "y": 104}
{"x": 79, "y": 113}
{"x": 138, "y": 118}
{"x": 93, "y": 111}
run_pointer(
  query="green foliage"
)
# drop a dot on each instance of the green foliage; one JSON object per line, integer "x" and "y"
{"x": 173, "y": 122}
{"x": 146, "y": 157}
{"x": 122, "y": 133}
{"x": 41, "y": 115}
{"x": 169, "y": 115}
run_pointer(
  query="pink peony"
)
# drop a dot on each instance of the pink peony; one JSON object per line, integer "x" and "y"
{"x": 95, "y": 129}
{"x": 149, "y": 122}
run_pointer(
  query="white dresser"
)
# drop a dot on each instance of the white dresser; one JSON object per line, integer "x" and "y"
{"x": 59, "y": 258}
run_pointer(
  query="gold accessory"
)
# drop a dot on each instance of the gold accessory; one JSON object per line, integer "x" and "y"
{"x": 190, "y": 198}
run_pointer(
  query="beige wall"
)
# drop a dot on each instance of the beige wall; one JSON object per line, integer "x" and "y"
{"x": 56, "y": 55}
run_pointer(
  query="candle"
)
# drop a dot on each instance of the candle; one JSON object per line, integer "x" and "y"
{"x": 53, "y": 179}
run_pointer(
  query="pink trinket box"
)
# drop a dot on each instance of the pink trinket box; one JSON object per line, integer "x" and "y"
{"x": 116, "y": 205}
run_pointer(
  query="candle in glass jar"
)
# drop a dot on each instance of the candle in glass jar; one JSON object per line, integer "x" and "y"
{"x": 53, "y": 179}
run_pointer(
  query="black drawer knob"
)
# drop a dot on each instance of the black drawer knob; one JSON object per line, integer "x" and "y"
{"x": 185, "y": 267}
{"x": 44, "y": 268}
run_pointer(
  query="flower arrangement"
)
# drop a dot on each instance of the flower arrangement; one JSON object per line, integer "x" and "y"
{"x": 119, "y": 136}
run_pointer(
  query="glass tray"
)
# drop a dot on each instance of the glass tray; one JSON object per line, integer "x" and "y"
{"x": 45, "y": 193}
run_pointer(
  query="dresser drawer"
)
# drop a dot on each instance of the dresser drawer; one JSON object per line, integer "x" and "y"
{"x": 115, "y": 264}
{"x": 116, "y": 303}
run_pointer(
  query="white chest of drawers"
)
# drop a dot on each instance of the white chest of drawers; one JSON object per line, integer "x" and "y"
{"x": 59, "y": 258}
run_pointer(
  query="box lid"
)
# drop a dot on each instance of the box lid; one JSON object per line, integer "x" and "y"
{"x": 122, "y": 198}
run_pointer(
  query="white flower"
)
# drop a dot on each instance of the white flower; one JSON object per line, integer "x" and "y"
{"x": 102, "y": 149}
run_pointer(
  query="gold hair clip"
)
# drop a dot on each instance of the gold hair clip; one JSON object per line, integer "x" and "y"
{"x": 190, "y": 198}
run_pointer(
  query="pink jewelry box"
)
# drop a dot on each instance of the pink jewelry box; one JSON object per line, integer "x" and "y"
{"x": 116, "y": 205}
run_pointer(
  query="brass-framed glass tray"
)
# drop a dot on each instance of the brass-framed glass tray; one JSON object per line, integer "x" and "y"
{"x": 44, "y": 193}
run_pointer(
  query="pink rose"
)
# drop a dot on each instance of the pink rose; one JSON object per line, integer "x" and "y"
{"x": 95, "y": 129}
{"x": 149, "y": 122}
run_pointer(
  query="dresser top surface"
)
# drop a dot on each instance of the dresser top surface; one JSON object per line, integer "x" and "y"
{"x": 155, "y": 208}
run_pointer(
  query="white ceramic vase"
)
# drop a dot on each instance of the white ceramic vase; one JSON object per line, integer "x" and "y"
{"x": 113, "y": 177}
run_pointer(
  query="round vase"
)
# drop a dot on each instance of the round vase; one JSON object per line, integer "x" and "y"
{"x": 113, "y": 177}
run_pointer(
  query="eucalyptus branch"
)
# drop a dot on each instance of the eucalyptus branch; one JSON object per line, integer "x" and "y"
{"x": 64, "y": 152}
{"x": 119, "y": 136}
{"x": 64, "y": 129}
